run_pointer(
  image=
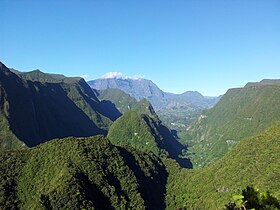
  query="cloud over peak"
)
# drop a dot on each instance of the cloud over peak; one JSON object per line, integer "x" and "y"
{"x": 119, "y": 75}
{"x": 111, "y": 75}
{"x": 85, "y": 76}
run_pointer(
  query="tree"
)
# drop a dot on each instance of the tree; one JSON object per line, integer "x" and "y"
{"x": 252, "y": 198}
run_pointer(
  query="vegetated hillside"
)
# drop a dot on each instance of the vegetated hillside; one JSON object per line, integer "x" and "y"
{"x": 241, "y": 112}
{"x": 264, "y": 82}
{"x": 254, "y": 161}
{"x": 142, "y": 88}
{"x": 176, "y": 111}
{"x": 142, "y": 129}
{"x": 178, "y": 119}
{"x": 8, "y": 139}
{"x": 144, "y": 107}
{"x": 34, "y": 112}
{"x": 105, "y": 108}
{"x": 122, "y": 100}
{"x": 81, "y": 173}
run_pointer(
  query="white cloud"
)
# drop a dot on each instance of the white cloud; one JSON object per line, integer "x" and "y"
{"x": 114, "y": 74}
{"x": 85, "y": 76}
{"x": 137, "y": 77}
{"x": 119, "y": 75}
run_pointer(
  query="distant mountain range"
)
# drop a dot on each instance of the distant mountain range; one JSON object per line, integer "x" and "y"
{"x": 142, "y": 88}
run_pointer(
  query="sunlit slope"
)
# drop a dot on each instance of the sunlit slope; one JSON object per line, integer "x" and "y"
{"x": 122, "y": 100}
{"x": 254, "y": 161}
{"x": 142, "y": 129}
{"x": 241, "y": 112}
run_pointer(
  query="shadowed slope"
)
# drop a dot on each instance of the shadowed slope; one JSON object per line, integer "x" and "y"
{"x": 34, "y": 112}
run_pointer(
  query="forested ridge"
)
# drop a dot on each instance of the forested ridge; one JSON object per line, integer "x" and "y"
{"x": 67, "y": 146}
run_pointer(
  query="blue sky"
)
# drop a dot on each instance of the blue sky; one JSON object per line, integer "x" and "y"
{"x": 203, "y": 45}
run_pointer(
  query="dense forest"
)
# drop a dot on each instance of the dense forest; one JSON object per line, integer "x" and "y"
{"x": 67, "y": 146}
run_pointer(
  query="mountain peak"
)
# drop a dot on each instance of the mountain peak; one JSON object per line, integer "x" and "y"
{"x": 145, "y": 107}
{"x": 192, "y": 93}
{"x": 137, "y": 88}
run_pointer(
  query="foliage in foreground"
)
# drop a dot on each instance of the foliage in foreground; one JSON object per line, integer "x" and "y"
{"x": 253, "y": 199}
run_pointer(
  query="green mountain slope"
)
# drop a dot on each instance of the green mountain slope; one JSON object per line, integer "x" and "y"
{"x": 141, "y": 128}
{"x": 254, "y": 161}
{"x": 144, "y": 107}
{"x": 34, "y": 112}
{"x": 122, "y": 100}
{"x": 81, "y": 173}
{"x": 176, "y": 117}
{"x": 7, "y": 138}
{"x": 80, "y": 93}
{"x": 241, "y": 112}
{"x": 132, "y": 129}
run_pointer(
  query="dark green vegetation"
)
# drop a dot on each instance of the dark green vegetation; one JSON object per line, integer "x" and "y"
{"x": 91, "y": 172}
{"x": 254, "y": 199}
{"x": 140, "y": 165}
{"x": 142, "y": 129}
{"x": 81, "y": 173}
{"x": 38, "y": 76}
{"x": 241, "y": 112}
{"x": 122, "y": 100}
{"x": 254, "y": 161}
{"x": 81, "y": 94}
{"x": 142, "y": 88}
{"x": 176, "y": 111}
{"x": 144, "y": 107}
{"x": 36, "y": 107}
